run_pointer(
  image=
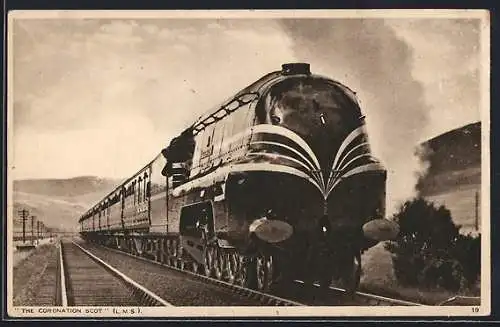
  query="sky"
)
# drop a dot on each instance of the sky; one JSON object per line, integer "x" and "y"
{"x": 103, "y": 96}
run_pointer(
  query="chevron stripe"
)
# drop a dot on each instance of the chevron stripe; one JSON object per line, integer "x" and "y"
{"x": 355, "y": 171}
{"x": 285, "y": 132}
{"x": 338, "y": 172}
{"x": 310, "y": 159}
{"x": 277, "y": 168}
{"x": 278, "y": 130}
{"x": 351, "y": 151}
{"x": 263, "y": 167}
{"x": 305, "y": 158}
{"x": 272, "y": 155}
{"x": 310, "y": 166}
{"x": 348, "y": 140}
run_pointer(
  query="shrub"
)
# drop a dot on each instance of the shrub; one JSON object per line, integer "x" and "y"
{"x": 429, "y": 251}
{"x": 467, "y": 250}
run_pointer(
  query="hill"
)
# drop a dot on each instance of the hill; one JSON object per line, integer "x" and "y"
{"x": 454, "y": 175}
{"x": 65, "y": 187}
{"x": 58, "y": 202}
{"x": 454, "y": 160}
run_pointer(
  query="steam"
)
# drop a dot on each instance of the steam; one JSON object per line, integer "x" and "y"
{"x": 368, "y": 57}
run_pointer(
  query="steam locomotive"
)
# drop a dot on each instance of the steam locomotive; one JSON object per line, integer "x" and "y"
{"x": 277, "y": 183}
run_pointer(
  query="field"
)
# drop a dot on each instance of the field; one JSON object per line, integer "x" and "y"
{"x": 454, "y": 175}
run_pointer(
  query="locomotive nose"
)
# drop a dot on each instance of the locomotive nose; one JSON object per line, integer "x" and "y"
{"x": 317, "y": 116}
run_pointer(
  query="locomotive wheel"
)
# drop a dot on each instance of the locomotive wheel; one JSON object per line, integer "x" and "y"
{"x": 243, "y": 268}
{"x": 218, "y": 265}
{"x": 260, "y": 268}
{"x": 180, "y": 260}
{"x": 195, "y": 267}
{"x": 208, "y": 261}
{"x": 264, "y": 267}
{"x": 172, "y": 249}
{"x": 231, "y": 267}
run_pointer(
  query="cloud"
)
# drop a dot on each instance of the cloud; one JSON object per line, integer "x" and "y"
{"x": 446, "y": 62}
{"x": 118, "y": 151}
{"x": 150, "y": 77}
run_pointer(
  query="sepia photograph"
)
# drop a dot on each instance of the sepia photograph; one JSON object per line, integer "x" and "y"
{"x": 285, "y": 163}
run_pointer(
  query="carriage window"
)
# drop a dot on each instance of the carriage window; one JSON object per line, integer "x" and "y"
{"x": 146, "y": 182}
{"x": 135, "y": 192}
{"x": 139, "y": 190}
{"x": 132, "y": 191}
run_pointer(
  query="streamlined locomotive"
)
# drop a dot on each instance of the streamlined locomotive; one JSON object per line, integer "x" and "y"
{"x": 276, "y": 184}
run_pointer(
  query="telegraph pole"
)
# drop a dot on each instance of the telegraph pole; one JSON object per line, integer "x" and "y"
{"x": 32, "y": 229}
{"x": 24, "y": 215}
{"x": 477, "y": 210}
{"x": 38, "y": 230}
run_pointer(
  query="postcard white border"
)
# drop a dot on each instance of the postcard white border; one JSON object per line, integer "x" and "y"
{"x": 276, "y": 312}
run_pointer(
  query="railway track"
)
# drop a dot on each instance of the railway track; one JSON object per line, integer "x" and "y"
{"x": 86, "y": 280}
{"x": 185, "y": 288}
{"x": 293, "y": 296}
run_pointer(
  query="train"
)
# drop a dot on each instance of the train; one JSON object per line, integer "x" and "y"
{"x": 276, "y": 184}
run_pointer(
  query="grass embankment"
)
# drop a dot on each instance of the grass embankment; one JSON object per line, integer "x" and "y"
{"x": 378, "y": 278}
{"x": 28, "y": 274}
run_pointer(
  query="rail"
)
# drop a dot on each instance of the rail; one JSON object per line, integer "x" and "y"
{"x": 461, "y": 297}
{"x": 391, "y": 301}
{"x": 263, "y": 297}
{"x": 371, "y": 298}
{"x": 144, "y": 296}
{"x": 62, "y": 282}
{"x": 133, "y": 284}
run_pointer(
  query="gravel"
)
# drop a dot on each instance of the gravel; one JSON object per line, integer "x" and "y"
{"x": 175, "y": 287}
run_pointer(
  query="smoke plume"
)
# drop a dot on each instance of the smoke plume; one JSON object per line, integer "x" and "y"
{"x": 368, "y": 57}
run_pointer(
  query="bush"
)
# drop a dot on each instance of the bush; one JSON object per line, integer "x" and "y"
{"x": 467, "y": 250}
{"x": 429, "y": 251}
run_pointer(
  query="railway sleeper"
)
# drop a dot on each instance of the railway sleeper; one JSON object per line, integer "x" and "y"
{"x": 257, "y": 270}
